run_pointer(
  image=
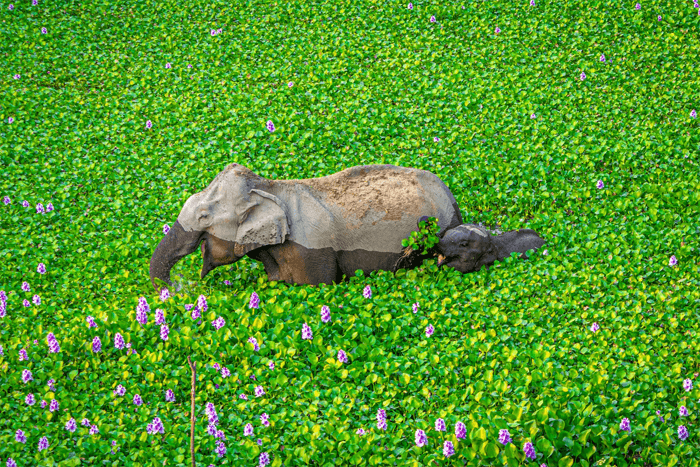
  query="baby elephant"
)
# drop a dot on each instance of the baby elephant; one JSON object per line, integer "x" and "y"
{"x": 468, "y": 247}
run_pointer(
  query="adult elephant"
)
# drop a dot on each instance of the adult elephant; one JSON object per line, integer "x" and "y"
{"x": 307, "y": 231}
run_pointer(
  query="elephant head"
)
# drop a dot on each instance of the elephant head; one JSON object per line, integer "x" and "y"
{"x": 468, "y": 247}
{"x": 232, "y": 216}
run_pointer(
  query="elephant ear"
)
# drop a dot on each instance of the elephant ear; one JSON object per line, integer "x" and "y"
{"x": 263, "y": 223}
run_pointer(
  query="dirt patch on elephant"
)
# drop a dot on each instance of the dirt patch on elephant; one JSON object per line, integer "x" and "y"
{"x": 385, "y": 188}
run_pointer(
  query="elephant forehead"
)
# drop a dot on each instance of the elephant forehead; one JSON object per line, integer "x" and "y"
{"x": 466, "y": 229}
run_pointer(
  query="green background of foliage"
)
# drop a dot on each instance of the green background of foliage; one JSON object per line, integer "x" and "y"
{"x": 373, "y": 83}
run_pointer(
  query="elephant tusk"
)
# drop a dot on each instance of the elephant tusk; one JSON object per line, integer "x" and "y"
{"x": 441, "y": 260}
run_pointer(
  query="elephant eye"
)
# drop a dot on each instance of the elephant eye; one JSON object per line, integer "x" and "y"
{"x": 203, "y": 216}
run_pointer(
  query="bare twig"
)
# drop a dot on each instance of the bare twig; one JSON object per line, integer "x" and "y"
{"x": 192, "y": 418}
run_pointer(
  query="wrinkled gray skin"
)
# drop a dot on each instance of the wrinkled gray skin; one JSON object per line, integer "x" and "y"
{"x": 469, "y": 247}
{"x": 310, "y": 231}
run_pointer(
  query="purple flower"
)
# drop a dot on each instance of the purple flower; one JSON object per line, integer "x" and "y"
{"x": 53, "y": 406}
{"x": 216, "y": 366}
{"x": 43, "y": 443}
{"x": 498, "y": 30}
{"x": 460, "y": 430}
{"x": 10, "y": 120}
{"x": 40, "y": 208}
{"x": 271, "y": 365}
{"x": 410, "y": 6}
{"x": 141, "y": 316}
{"x": 6, "y": 200}
{"x": 381, "y": 419}
{"x": 227, "y": 282}
{"x": 693, "y": 113}
{"x": 367, "y": 292}
{"x": 158, "y": 426}
{"x": 189, "y": 66}
{"x": 342, "y": 356}
{"x": 625, "y": 424}
{"x": 259, "y": 391}
{"x": 120, "y": 390}
{"x": 25, "y": 203}
{"x": 213, "y": 32}
{"x": 94, "y": 430}
{"x": 436, "y": 139}
{"x": 270, "y": 126}
{"x": 360, "y": 431}
{"x": 202, "y": 303}
{"x": 687, "y": 385}
{"x": 164, "y": 332}
{"x": 532, "y": 116}
{"x": 682, "y": 433}
{"x": 169, "y": 396}
{"x": 3, "y": 308}
{"x": 41, "y": 268}
{"x": 29, "y": 400}
{"x": 23, "y": 355}
{"x": 36, "y": 299}
{"x": 164, "y": 294}
{"x": 35, "y": 2}
{"x": 602, "y": 57}
{"x": 595, "y": 327}
{"x": 290, "y": 84}
{"x": 325, "y": 314}
{"x": 264, "y": 419}
{"x": 243, "y": 396}
{"x": 529, "y": 450}
{"x": 254, "y": 301}
{"x": 683, "y": 411}
{"x": 254, "y": 341}
{"x": 43, "y": 30}
{"x": 306, "y": 332}
{"x": 504, "y": 437}
{"x": 532, "y": 2}
{"x": 85, "y": 422}
{"x": 26, "y": 303}
{"x": 17, "y": 77}
{"x": 149, "y": 124}
{"x": 49, "y": 383}
{"x": 25, "y": 287}
{"x": 248, "y": 430}
{"x": 432, "y": 19}
{"x": 225, "y": 372}
{"x": 27, "y": 376}
{"x": 218, "y": 323}
{"x": 421, "y": 438}
{"x": 49, "y": 207}
{"x": 600, "y": 184}
{"x": 583, "y": 76}
{"x": 20, "y": 437}
{"x": 168, "y": 66}
{"x": 672, "y": 261}
{"x": 638, "y": 6}
{"x": 220, "y": 449}
{"x": 96, "y": 344}
{"x": 138, "y": 400}
{"x": 440, "y": 425}
{"x": 448, "y": 449}
{"x": 659, "y": 17}
{"x": 91, "y": 322}
{"x": 429, "y": 330}
{"x": 118, "y": 341}
{"x": 196, "y": 314}
{"x": 264, "y": 457}
{"x": 166, "y": 229}
{"x": 71, "y": 425}
{"x": 415, "y": 307}
{"x": 10, "y": 7}
{"x": 10, "y": 461}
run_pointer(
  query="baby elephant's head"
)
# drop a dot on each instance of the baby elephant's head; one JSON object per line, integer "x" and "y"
{"x": 468, "y": 247}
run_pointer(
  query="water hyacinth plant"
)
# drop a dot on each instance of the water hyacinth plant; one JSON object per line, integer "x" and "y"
{"x": 577, "y": 136}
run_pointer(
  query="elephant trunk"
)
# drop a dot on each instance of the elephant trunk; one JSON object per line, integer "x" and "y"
{"x": 172, "y": 248}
